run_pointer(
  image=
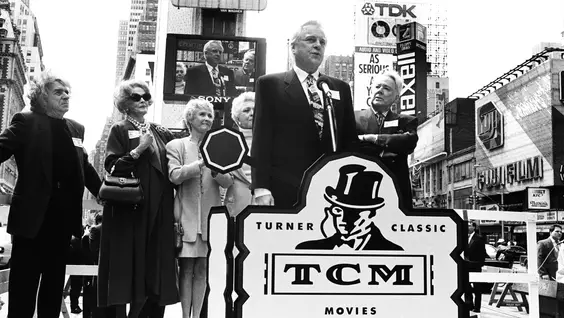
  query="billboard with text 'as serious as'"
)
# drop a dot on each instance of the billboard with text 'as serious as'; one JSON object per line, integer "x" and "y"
{"x": 369, "y": 62}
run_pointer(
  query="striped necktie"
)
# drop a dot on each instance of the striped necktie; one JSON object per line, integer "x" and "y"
{"x": 315, "y": 102}
{"x": 217, "y": 82}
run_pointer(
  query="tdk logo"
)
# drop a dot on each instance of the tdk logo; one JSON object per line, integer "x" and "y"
{"x": 389, "y": 10}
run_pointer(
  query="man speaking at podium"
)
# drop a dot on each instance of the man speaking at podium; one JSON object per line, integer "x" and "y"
{"x": 291, "y": 126}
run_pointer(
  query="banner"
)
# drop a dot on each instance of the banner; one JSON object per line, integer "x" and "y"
{"x": 538, "y": 198}
{"x": 367, "y": 64}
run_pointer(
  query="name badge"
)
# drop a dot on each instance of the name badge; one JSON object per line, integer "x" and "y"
{"x": 77, "y": 142}
{"x": 225, "y": 78}
{"x": 134, "y": 134}
{"x": 391, "y": 123}
{"x": 251, "y": 80}
{"x": 336, "y": 95}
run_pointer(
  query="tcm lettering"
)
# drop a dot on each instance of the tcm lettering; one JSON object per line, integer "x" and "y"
{"x": 334, "y": 274}
{"x": 395, "y": 10}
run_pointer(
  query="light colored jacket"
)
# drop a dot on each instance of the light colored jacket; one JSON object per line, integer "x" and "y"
{"x": 238, "y": 196}
{"x": 193, "y": 199}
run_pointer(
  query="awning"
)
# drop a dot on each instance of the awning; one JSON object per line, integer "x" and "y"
{"x": 253, "y": 5}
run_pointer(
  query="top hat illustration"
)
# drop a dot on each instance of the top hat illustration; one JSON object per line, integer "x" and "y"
{"x": 356, "y": 188}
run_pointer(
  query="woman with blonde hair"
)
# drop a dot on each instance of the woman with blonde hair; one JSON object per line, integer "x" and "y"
{"x": 198, "y": 191}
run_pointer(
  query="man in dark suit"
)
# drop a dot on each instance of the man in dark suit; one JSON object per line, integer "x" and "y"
{"x": 547, "y": 253}
{"x": 291, "y": 126}
{"x": 46, "y": 207}
{"x": 354, "y": 204}
{"x": 387, "y": 135}
{"x": 475, "y": 255}
{"x": 245, "y": 77}
{"x": 210, "y": 78}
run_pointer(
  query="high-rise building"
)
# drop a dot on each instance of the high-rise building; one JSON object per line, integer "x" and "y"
{"x": 135, "y": 15}
{"x": 339, "y": 66}
{"x": 121, "y": 49}
{"x": 30, "y": 39}
{"x": 12, "y": 81}
{"x": 147, "y": 29}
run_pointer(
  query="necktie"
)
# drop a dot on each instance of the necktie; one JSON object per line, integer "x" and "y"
{"x": 315, "y": 102}
{"x": 380, "y": 119}
{"x": 217, "y": 82}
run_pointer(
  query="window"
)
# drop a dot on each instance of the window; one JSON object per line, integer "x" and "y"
{"x": 28, "y": 53}
{"x": 32, "y": 69}
{"x": 437, "y": 85}
{"x": 28, "y": 60}
{"x": 462, "y": 171}
{"x": 148, "y": 72}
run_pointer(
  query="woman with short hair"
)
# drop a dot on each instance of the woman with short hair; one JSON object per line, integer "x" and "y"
{"x": 198, "y": 191}
{"x": 238, "y": 196}
{"x": 137, "y": 261}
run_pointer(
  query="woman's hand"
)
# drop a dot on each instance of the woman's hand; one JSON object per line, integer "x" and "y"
{"x": 145, "y": 141}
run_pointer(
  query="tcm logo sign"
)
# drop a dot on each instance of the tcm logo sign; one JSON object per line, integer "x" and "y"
{"x": 317, "y": 274}
{"x": 392, "y": 10}
{"x": 490, "y": 126}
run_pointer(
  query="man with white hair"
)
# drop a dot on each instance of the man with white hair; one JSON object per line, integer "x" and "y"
{"x": 291, "y": 125}
{"x": 210, "y": 78}
{"x": 387, "y": 135}
{"x": 245, "y": 77}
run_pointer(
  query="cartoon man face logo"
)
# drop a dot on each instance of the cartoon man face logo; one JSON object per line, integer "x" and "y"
{"x": 353, "y": 206}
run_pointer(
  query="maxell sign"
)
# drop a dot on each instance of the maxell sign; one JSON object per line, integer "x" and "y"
{"x": 412, "y": 66}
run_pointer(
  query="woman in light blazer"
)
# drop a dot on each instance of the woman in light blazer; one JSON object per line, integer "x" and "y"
{"x": 238, "y": 196}
{"x": 198, "y": 191}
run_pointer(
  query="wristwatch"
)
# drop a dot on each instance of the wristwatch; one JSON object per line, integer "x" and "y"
{"x": 134, "y": 154}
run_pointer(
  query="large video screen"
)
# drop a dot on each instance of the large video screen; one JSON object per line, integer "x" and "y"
{"x": 226, "y": 68}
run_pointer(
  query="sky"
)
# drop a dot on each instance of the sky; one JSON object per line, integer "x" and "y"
{"x": 486, "y": 38}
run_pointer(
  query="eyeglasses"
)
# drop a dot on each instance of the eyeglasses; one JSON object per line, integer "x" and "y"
{"x": 136, "y": 97}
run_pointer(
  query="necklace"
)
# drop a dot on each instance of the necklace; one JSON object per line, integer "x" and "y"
{"x": 143, "y": 127}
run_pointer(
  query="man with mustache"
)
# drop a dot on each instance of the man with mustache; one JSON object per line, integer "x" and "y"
{"x": 291, "y": 125}
{"x": 210, "y": 78}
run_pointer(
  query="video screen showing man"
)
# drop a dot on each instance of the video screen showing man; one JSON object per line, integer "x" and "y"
{"x": 210, "y": 78}
{"x": 179, "y": 83}
{"x": 245, "y": 76}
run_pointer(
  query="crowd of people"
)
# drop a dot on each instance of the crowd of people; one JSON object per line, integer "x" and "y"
{"x": 140, "y": 248}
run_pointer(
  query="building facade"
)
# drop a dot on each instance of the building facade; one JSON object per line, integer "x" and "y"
{"x": 12, "y": 81}
{"x": 121, "y": 50}
{"x": 339, "y": 66}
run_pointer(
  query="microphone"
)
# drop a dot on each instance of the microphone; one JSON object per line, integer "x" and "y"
{"x": 323, "y": 85}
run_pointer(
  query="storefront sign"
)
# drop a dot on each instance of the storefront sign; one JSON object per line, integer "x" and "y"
{"x": 516, "y": 172}
{"x": 538, "y": 198}
{"x": 346, "y": 242}
{"x": 547, "y": 217}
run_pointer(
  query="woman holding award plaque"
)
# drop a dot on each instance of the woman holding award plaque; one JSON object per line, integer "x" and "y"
{"x": 198, "y": 191}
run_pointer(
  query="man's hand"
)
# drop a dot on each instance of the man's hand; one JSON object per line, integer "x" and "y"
{"x": 266, "y": 199}
{"x": 371, "y": 138}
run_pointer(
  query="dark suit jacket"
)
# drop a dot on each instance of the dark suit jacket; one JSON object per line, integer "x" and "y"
{"x": 397, "y": 138}
{"x": 285, "y": 138}
{"x": 475, "y": 253}
{"x": 94, "y": 242}
{"x": 244, "y": 82}
{"x": 377, "y": 242}
{"x": 199, "y": 82}
{"x": 29, "y": 139}
{"x": 547, "y": 255}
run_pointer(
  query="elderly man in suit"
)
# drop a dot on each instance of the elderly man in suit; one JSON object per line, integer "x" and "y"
{"x": 291, "y": 126}
{"x": 387, "y": 135}
{"x": 46, "y": 207}
{"x": 245, "y": 77}
{"x": 475, "y": 255}
{"x": 210, "y": 78}
{"x": 547, "y": 253}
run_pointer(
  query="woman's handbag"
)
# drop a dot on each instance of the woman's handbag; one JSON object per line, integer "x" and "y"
{"x": 178, "y": 233}
{"x": 121, "y": 190}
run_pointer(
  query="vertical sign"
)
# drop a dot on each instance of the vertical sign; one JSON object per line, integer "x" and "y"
{"x": 412, "y": 66}
{"x": 368, "y": 62}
